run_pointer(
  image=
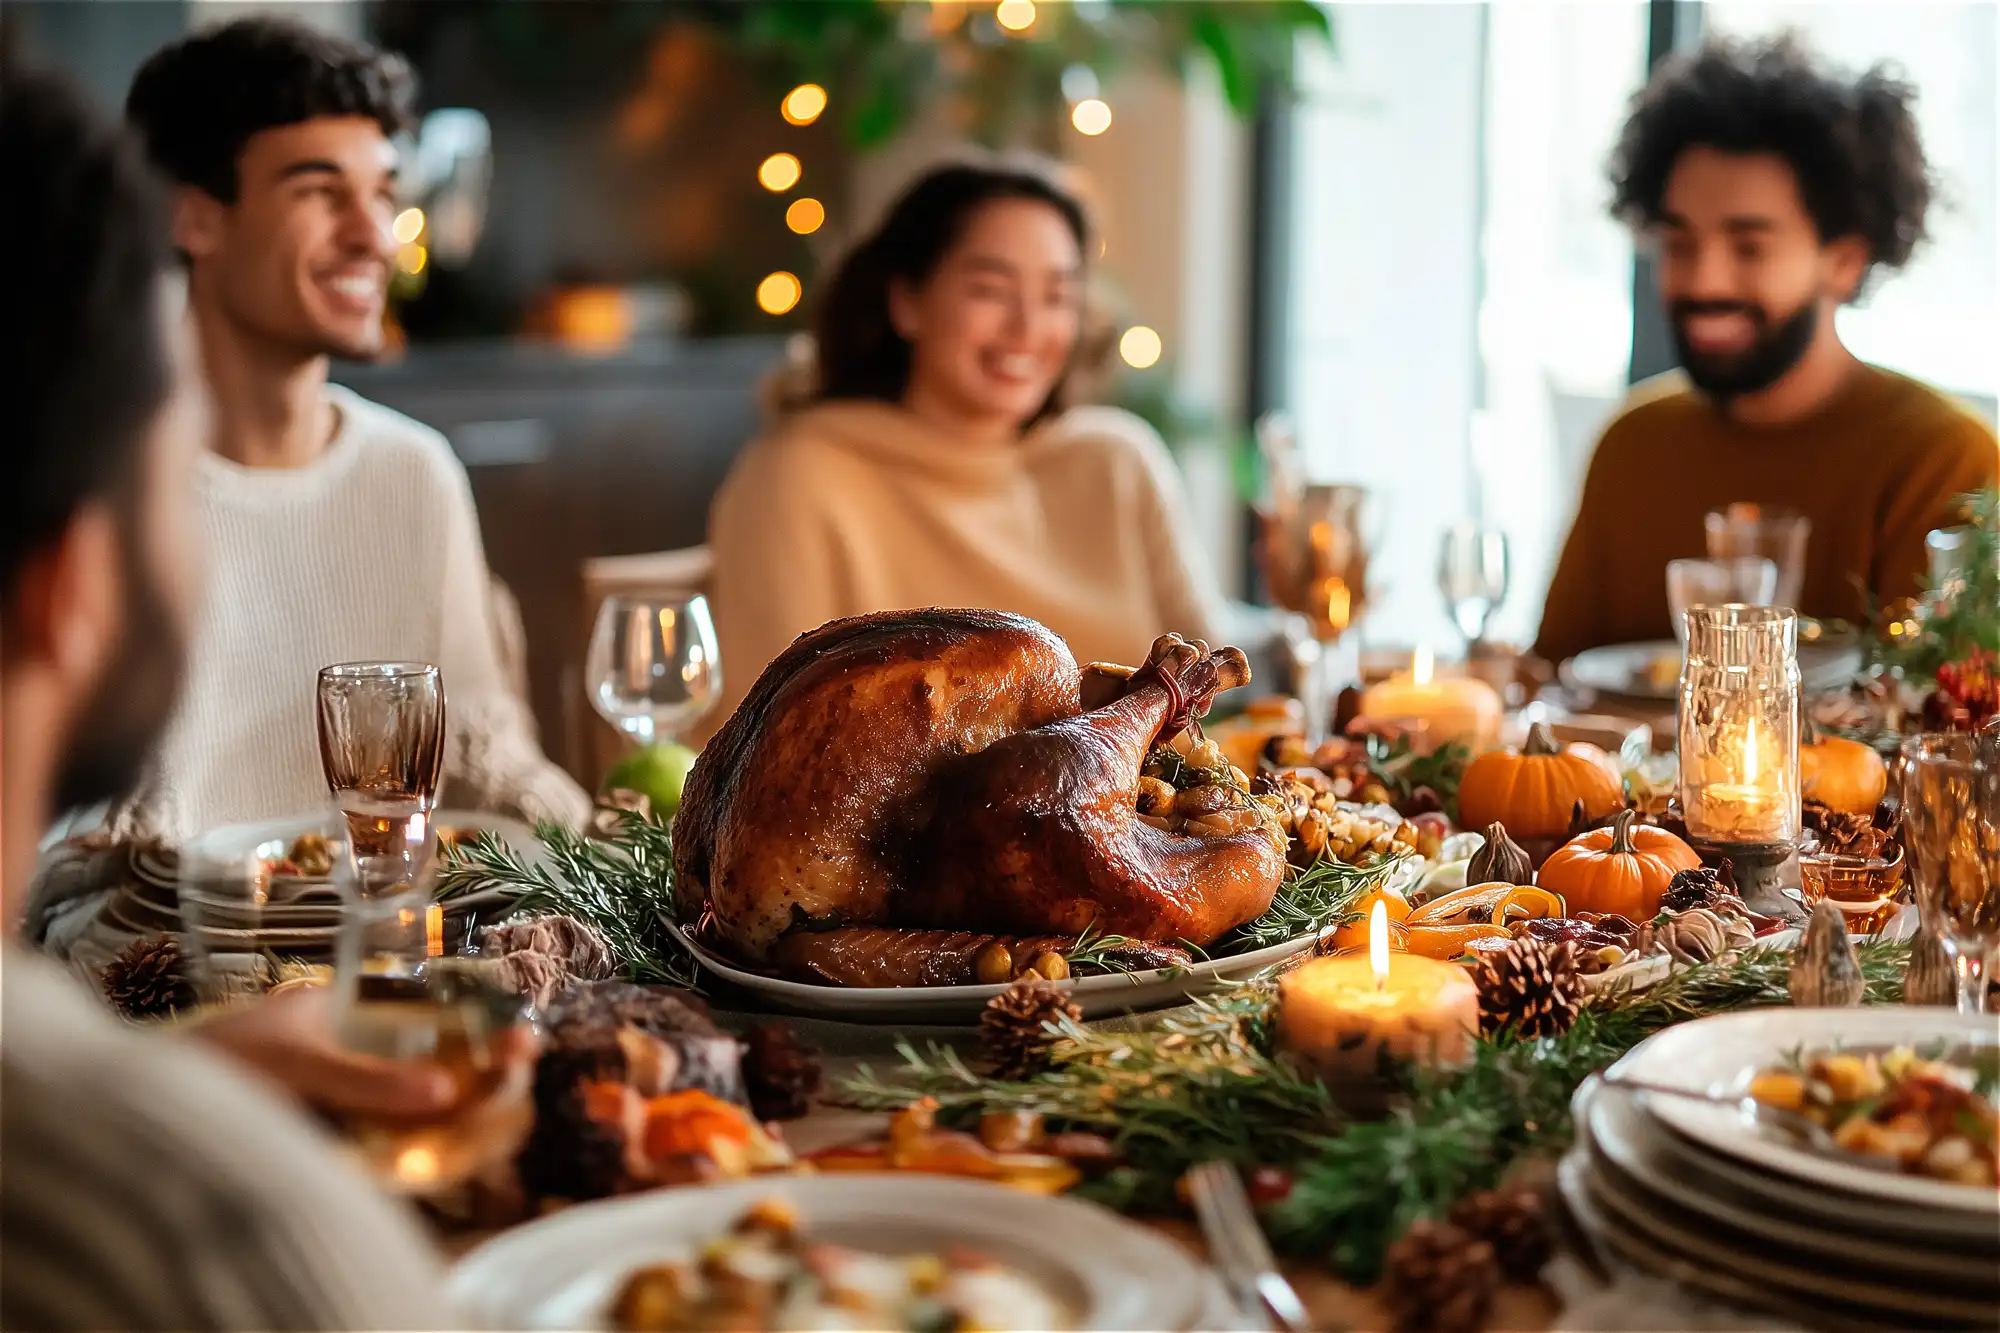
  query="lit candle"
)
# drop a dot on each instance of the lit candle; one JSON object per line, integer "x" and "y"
{"x": 434, "y": 931}
{"x": 1451, "y": 708}
{"x": 1751, "y": 806}
{"x": 1341, "y": 1017}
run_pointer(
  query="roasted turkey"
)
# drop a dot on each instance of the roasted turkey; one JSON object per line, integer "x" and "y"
{"x": 900, "y": 793}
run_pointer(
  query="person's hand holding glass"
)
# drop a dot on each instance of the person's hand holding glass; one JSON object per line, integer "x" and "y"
{"x": 652, "y": 666}
{"x": 1951, "y": 818}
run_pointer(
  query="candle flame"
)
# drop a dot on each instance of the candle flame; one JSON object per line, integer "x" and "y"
{"x": 434, "y": 931}
{"x": 1378, "y": 943}
{"x": 1339, "y": 605}
{"x": 1421, "y": 665}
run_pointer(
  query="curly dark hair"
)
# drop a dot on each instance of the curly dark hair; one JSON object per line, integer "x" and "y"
{"x": 1852, "y": 144}
{"x": 860, "y": 354}
{"x": 197, "y": 101}
{"x": 83, "y": 355}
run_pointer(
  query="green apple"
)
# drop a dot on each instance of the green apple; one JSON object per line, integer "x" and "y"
{"x": 658, "y": 771}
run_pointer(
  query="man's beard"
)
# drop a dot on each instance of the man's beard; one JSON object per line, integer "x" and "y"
{"x": 1775, "y": 351}
{"x": 125, "y": 716}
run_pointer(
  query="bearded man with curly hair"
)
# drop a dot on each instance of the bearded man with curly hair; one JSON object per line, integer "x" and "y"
{"x": 1773, "y": 191}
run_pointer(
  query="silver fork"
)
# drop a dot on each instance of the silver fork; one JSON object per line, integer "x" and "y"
{"x": 1791, "y": 1124}
{"x": 1237, "y": 1246}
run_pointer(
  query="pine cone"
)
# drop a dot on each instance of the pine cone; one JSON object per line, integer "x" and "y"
{"x": 1531, "y": 987}
{"x": 568, "y": 1155}
{"x": 1700, "y": 887}
{"x": 781, "y": 1072}
{"x": 1011, "y": 1029}
{"x": 148, "y": 979}
{"x": 1843, "y": 834}
{"x": 1438, "y": 1279}
{"x": 1513, "y": 1223}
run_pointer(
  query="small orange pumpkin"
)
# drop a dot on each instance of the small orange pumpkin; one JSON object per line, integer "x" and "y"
{"x": 1840, "y": 774}
{"x": 1534, "y": 792}
{"x": 1620, "y": 868}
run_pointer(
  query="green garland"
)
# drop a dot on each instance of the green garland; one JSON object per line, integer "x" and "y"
{"x": 1207, "y": 1084}
{"x": 1948, "y": 629}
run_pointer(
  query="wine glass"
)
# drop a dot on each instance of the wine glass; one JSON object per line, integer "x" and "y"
{"x": 1951, "y": 816}
{"x": 381, "y": 742}
{"x": 398, "y": 996}
{"x": 1753, "y": 531}
{"x": 653, "y": 664}
{"x": 1472, "y": 575}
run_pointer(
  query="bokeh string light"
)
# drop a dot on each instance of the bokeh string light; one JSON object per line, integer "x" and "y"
{"x": 805, "y": 216}
{"x": 409, "y": 225}
{"x": 1091, "y": 116}
{"x": 803, "y": 104}
{"x": 1140, "y": 347}
{"x": 778, "y": 293}
{"x": 1015, "y": 15}
{"x": 779, "y": 172}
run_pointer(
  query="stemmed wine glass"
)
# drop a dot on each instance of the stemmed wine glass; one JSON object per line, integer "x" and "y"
{"x": 1316, "y": 552}
{"x": 1951, "y": 813}
{"x": 381, "y": 742}
{"x": 1472, "y": 575}
{"x": 653, "y": 665}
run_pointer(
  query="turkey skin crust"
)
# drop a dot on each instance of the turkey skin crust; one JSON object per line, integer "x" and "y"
{"x": 935, "y": 771}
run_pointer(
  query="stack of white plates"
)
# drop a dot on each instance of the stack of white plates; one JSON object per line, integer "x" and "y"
{"x": 1694, "y": 1192}
{"x": 301, "y": 917}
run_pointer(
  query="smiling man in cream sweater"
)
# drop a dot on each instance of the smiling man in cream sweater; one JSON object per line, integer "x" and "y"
{"x": 337, "y": 529}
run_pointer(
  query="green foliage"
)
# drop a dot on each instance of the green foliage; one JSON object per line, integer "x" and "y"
{"x": 1969, "y": 617}
{"x": 1307, "y": 902}
{"x": 1207, "y": 1084}
{"x": 1403, "y": 769}
{"x": 622, "y": 885}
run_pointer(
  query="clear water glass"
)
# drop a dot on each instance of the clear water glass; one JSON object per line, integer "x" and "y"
{"x": 1752, "y": 581}
{"x": 1951, "y": 825}
{"x": 1746, "y": 530}
{"x": 653, "y": 665}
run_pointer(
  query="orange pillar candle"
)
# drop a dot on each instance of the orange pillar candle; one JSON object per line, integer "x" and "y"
{"x": 1451, "y": 708}
{"x": 1340, "y": 1017}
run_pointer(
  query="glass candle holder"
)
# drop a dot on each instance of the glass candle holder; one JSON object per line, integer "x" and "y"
{"x": 1739, "y": 725}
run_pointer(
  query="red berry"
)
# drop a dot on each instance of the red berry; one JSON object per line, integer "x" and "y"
{"x": 1268, "y": 1185}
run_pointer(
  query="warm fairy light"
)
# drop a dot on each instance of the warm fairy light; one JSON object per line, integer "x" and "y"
{"x": 1140, "y": 347}
{"x": 1015, "y": 15}
{"x": 1339, "y": 605}
{"x": 805, "y": 216}
{"x": 1091, "y": 116}
{"x": 1422, "y": 664}
{"x": 434, "y": 931}
{"x": 779, "y": 172}
{"x": 409, "y": 225}
{"x": 1378, "y": 942}
{"x": 778, "y": 293}
{"x": 411, "y": 258}
{"x": 803, "y": 104}
{"x": 417, "y": 1165}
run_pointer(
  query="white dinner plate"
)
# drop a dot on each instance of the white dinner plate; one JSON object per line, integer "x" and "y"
{"x": 1625, "y": 668}
{"x": 1097, "y": 997}
{"x": 1721, "y": 1053}
{"x": 1107, "y": 1273}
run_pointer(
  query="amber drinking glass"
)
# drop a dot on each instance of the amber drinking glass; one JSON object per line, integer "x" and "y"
{"x": 381, "y": 742}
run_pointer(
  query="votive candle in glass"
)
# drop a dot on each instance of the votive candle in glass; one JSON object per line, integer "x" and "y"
{"x": 1739, "y": 725}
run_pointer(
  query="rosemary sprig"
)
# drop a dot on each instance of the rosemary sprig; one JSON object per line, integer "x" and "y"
{"x": 1307, "y": 902}
{"x": 621, "y": 885}
{"x": 1096, "y": 952}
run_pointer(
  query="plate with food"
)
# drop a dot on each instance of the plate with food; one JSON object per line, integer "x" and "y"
{"x": 910, "y": 808}
{"x": 1905, "y": 1094}
{"x": 294, "y": 853}
{"x": 852, "y": 1251}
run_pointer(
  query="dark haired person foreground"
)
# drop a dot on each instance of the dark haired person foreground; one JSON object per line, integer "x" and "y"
{"x": 338, "y": 530}
{"x": 935, "y": 463}
{"x": 1773, "y": 190}
{"x": 144, "y": 1183}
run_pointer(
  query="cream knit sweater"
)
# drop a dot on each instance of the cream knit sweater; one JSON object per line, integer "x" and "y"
{"x": 370, "y": 553}
{"x": 849, "y": 507}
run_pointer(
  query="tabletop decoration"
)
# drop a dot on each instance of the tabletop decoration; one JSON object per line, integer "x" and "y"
{"x": 1499, "y": 859}
{"x": 1625, "y": 868}
{"x": 1439, "y": 1278}
{"x": 1211, "y": 1081}
{"x": 1932, "y": 978}
{"x": 1531, "y": 988}
{"x": 1825, "y": 971}
{"x": 1437, "y": 708}
{"x": 1739, "y": 746}
{"x": 1019, "y": 1028}
{"x": 148, "y": 979}
{"x": 1534, "y": 791}
{"x": 1514, "y": 1222}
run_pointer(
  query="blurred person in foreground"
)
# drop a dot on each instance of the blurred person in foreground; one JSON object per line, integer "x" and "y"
{"x": 933, "y": 461}
{"x": 338, "y": 529}
{"x": 1773, "y": 190}
{"x": 144, "y": 1181}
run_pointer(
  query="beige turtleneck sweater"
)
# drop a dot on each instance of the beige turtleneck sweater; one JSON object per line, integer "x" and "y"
{"x": 857, "y": 506}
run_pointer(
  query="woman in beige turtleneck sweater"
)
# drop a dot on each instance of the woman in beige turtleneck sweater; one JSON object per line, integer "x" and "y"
{"x": 934, "y": 465}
